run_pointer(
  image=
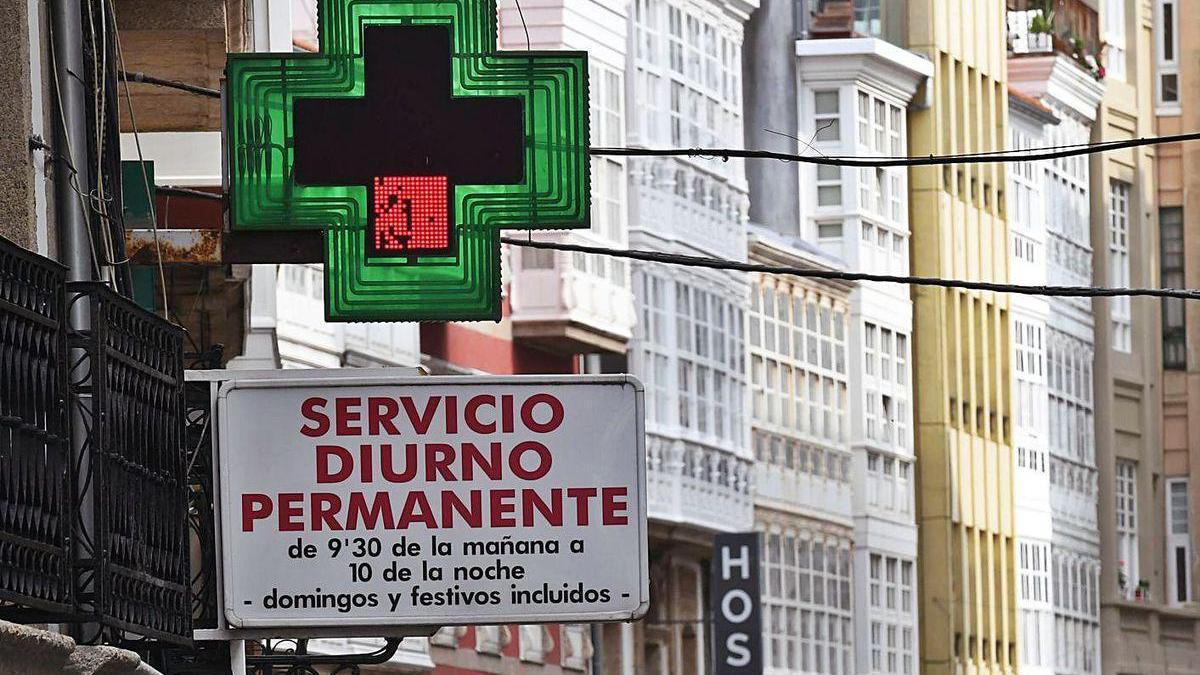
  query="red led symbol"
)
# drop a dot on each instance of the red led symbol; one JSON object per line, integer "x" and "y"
{"x": 410, "y": 214}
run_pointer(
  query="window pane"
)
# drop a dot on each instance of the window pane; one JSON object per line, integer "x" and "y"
{"x": 829, "y": 195}
{"x": 826, "y": 102}
{"x": 829, "y": 230}
{"x": 1168, "y": 31}
{"x": 829, "y": 130}
{"x": 1170, "y": 87}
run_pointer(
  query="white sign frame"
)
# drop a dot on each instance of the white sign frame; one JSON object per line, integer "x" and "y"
{"x": 225, "y": 382}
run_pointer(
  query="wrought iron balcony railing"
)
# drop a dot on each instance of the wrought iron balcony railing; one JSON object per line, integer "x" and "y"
{"x": 129, "y": 386}
{"x": 93, "y": 495}
{"x": 36, "y": 517}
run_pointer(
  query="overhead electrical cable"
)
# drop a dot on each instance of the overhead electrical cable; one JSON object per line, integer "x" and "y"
{"x": 142, "y": 78}
{"x": 999, "y": 156}
{"x": 837, "y": 275}
{"x": 137, "y": 140}
{"x": 989, "y": 157}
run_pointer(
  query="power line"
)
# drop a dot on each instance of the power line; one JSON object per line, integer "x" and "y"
{"x": 722, "y": 264}
{"x": 137, "y": 141}
{"x": 175, "y": 191}
{"x": 998, "y": 156}
{"x": 142, "y": 78}
{"x": 990, "y": 157}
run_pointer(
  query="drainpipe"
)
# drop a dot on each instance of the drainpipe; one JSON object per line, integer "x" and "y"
{"x": 74, "y": 242}
{"x": 75, "y": 250}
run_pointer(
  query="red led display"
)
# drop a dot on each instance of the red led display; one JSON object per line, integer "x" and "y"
{"x": 410, "y": 214}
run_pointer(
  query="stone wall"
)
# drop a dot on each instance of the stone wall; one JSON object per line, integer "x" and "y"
{"x": 25, "y": 650}
{"x": 16, "y": 166}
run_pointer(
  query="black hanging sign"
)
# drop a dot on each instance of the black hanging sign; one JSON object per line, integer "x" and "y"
{"x": 737, "y": 605}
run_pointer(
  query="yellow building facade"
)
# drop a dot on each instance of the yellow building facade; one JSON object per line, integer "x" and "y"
{"x": 961, "y": 339}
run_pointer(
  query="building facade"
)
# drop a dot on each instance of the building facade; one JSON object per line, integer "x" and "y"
{"x": 1055, "y": 98}
{"x": 963, "y": 424}
{"x": 1142, "y": 629}
{"x": 799, "y": 382}
{"x": 1028, "y": 122}
{"x": 1175, "y": 44}
{"x": 823, "y": 80}
{"x": 684, "y": 75}
{"x": 946, "y": 481}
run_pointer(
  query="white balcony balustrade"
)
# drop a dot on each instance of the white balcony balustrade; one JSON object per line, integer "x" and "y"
{"x": 796, "y": 473}
{"x": 698, "y": 485}
{"x": 571, "y": 302}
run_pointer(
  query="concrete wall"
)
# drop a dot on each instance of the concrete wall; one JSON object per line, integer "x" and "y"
{"x": 16, "y": 166}
{"x": 770, "y": 103}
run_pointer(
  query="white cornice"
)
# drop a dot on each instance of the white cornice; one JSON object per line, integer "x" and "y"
{"x": 1055, "y": 76}
{"x": 769, "y": 247}
{"x": 876, "y": 61}
{"x": 740, "y": 9}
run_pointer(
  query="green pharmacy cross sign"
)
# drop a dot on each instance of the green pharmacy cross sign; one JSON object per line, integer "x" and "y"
{"x": 410, "y": 142}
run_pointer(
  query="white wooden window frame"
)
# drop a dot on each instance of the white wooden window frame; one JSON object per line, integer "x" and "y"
{"x": 1069, "y": 392}
{"x": 688, "y": 383}
{"x": 1119, "y": 214}
{"x": 1125, "y": 494}
{"x": 1116, "y": 56}
{"x": 1178, "y": 512}
{"x": 1166, "y": 49}
{"x": 688, "y": 63}
{"x": 817, "y": 627}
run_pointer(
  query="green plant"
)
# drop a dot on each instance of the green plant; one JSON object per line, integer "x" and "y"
{"x": 1039, "y": 24}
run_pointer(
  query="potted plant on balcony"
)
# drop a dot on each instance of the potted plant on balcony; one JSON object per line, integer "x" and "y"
{"x": 1042, "y": 22}
{"x": 1080, "y": 54}
{"x": 1142, "y": 594}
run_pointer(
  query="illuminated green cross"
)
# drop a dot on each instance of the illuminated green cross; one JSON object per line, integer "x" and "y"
{"x": 411, "y": 178}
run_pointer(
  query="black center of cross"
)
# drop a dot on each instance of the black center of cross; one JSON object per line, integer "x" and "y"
{"x": 409, "y": 140}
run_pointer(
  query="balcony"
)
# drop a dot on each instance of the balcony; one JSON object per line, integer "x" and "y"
{"x": 791, "y": 472}
{"x": 689, "y": 205}
{"x": 833, "y": 19}
{"x": 306, "y": 340}
{"x": 801, "y": 489}
{"x": 693, "y": 484}
{"x": 1067, "y": 27}
{"x": 571, "y": 303}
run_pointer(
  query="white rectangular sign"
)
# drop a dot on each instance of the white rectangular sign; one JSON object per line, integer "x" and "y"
{"x": 431, "y": 500}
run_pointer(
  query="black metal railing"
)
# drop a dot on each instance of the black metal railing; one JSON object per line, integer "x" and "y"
{"x": 36, "y": 514}
{"x": 130, "y": 392}
{"x": 202, "y": 514}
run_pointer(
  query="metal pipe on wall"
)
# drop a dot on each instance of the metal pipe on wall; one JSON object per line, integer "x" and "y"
{"x": 75, "y": 243}
{"x": 75, "y": 249}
